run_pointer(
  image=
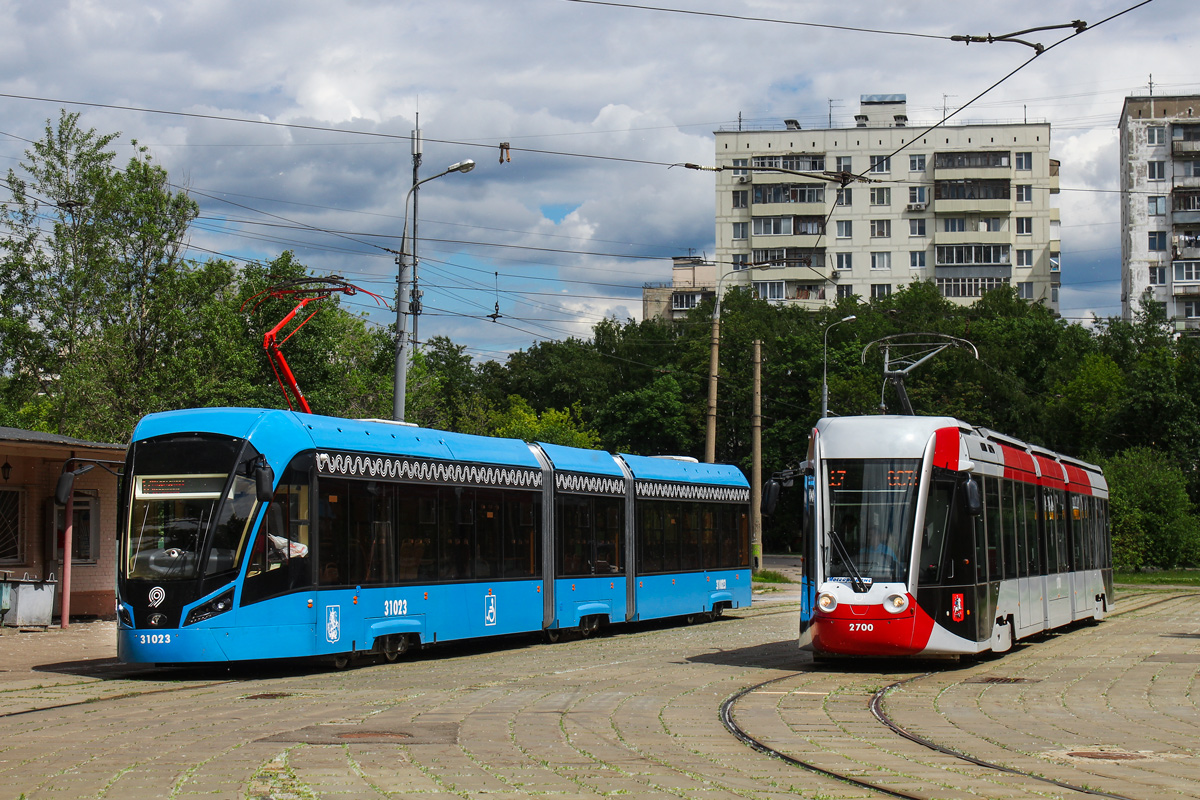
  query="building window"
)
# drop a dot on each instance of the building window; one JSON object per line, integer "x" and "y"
{"x": 1025, "y": 290}
{"x": 1024, "y": 258}
{"x": 991, "y": 224}
{"x": 985, "y": 160}
{"x": 845, "y": 291}
{"x": 988, "y": 255}
{"x": 974, "y": 189}
{"x": 1191, "y": 308}
{"x": 1156, "y": 205}
{"x": 772, "y": 226}
{"x": 683, "y": 301}
{"x": 954, "y": 224}
{"x": 843, "y": 164}
{"x": 741, "y": 230}
{"x": 1156, "y": 170}
{"x": 739, "y": 166}
{"x": 881, "y": 260}
{"x": 881, "y": 228}
{"x": 916, "y": 259}
{"x": 789, "y": 193}
{"x": 968, "y": 287}
{"x": 916, "y": 163}
{"x": 1055, "y": 262}
{"x": 768, "y": 290}
{"x": 1186, "y": 202}
{"x": 879, "y": 290}
{"x": 1157, "y": 241}
{"x": 917, "y": 194}
{"x": 881, "y": 196}
{"x": 741, "y": 199}
{"x": 1191, "y": 169}
{"x": 1024, "y": 226}
{"x": 1158, "y": 276}
{"x": 844, "y": 197}
{"x": 10, "y": 525}
{"x": 801, "y": 163}
{"x": 1156, "y": 134}
{"x": 741, "y": 260}
{"x": 1024, "y": 161}
{"x": 881, "y": 163}
{"x": 916, "y": 227}
{"x": 844, "y": 228}
{"x": 772, "y": 256}
{"x": 844, "y": 261}
{"x": 1024, "y": 193}
{"x": 1187, "y": 270}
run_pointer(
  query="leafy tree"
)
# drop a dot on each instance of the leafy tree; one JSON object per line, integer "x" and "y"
{"x": 553, "y": 426}
{"x": 1153, "y": 520}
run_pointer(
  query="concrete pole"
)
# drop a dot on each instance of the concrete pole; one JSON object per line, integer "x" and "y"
{"x": 756, "y": 469}
{"x": 710, "y": 437}
{"x": 65, "y": 606}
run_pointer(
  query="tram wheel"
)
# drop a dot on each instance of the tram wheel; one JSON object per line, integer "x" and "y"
{"x": 341, "y": 661}
{"x": 587, "y": 626}
{"x": 552, "y": 635}
{"x": 691, "y": 619}
{"x": 395, "y": 646}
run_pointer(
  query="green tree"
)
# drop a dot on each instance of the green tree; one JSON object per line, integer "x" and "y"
{"x": 1153, "y": 520}
{"x": 553, "y": 426}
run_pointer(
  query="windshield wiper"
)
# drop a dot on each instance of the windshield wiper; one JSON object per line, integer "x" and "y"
{"x": 860, "y": 585}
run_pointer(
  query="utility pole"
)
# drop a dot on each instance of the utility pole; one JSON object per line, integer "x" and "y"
{"x": 756, "y": 468}
{"x": 415, "y": 304}
{"x": 831, "y": 102}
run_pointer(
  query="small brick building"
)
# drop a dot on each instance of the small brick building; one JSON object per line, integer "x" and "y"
{"x": 31, "y": 525}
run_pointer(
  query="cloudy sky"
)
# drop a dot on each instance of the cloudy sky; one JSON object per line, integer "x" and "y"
{"x": 596, "y": 101}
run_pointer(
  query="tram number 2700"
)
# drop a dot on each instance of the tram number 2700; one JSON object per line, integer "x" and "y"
{"x": 395, "y": 607}
{"x": 861, "y": 626}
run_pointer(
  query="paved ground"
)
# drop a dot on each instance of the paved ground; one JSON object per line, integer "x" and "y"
{"x": 1112, "y": 707}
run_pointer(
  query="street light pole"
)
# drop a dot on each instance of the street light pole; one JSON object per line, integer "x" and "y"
{"x": 825, "y": 367}
{"x": 402, "y": 298}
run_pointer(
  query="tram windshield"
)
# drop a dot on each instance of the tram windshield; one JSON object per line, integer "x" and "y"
{"x": 870, "y": 530}
{"x": 182, "y": 526}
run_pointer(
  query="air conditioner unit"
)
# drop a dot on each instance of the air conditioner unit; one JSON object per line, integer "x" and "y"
{"x": 743, "y": 179}
{"x": 917, "y": 206}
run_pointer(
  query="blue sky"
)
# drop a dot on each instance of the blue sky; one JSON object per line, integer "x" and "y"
{"x": 596, "y": 101}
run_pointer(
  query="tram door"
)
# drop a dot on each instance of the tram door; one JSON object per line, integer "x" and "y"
{"x": 808, "y": 557}
{"x": 1029, "y": 578}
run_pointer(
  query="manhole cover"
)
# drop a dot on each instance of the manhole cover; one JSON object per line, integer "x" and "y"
{"x": 997, "y": 679}
{"x": 375, "y": 736}
{"x": 1106, "y": 755}
{"x": 267, "y": 696}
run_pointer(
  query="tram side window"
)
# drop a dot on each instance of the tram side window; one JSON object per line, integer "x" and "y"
{"x": 279, "y": 558}
{"x": 651, "y": 530}
{"x": 690, "y": 537}
{"x": 1008, "y": 527}
{"x": 370, "y": 545}
{"x": 522, "y": 544}
{"x": 333, "y": 511}
{"x": 735, "y": 536}
{"x": 590, "y": 535}
{"x": 933, "y": 533}
{"x": 417, "y": 532}
{"x": 574, "y": 535}
{"x": 1060, "y": 530}
{"x": 991, "y": 488}
{"x": 1033, "y": 551}
{"x": 610, "y": 538}
{"x": 1018, "y": 508}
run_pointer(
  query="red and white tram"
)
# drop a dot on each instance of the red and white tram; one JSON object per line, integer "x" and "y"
{"x": 928, "y": 536}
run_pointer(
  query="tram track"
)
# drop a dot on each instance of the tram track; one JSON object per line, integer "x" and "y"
{"x": 91, "y": 701}
{"x": 876, "y": 707}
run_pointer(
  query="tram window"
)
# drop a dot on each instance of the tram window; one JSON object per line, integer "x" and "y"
{"x": 671, "y": 534}
{"x": 279, "y": 557}
{"x": 331, "y": 532}
{"x": 651, "y": 522}
{"x": 489, "y": 531}
{"x": 609, "y": 537}
{"x": 1008, "y": 526}
{"x": 1064, "y": 552}
{"x": 1033, "y": 549}
{"x": 933, "y": 533}
{"x": 710, "y": 548}
{"x": 522, "y": 544}
{"x": 1018, "y": 508}
{"x": 690, "y": 537}
{"x": 574, "y": 535}
{"x": 991, "y": 490}
{"x": 370, "y": 552}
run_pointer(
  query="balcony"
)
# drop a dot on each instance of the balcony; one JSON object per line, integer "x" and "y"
{"x": 1002, "y": 205}
{"x": 972, "y": 237}
{"x": 1181, "y": 148}
{"x": 788, "y": 209}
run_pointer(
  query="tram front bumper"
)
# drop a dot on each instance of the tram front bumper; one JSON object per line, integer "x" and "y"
{"x": 870, "y": 631}
{"x": 173, "y": 646}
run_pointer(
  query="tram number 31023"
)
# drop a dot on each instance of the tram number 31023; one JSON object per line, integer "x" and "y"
{"x": 395, "y": 607}
{"x": 864, "y": 627}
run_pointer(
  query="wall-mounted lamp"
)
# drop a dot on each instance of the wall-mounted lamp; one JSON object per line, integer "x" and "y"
{"x": 6, "y": 470}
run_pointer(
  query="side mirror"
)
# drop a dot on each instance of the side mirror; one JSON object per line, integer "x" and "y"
{"x": 974, "y": 501}
{"x": 264, "y": 481}
{"x": 770, "y": 497}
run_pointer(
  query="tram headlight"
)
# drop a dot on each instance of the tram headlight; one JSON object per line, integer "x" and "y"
{"x": 896, "y": 602}
{"x": 218, "y": 605}
{"x": 826, "y": 602}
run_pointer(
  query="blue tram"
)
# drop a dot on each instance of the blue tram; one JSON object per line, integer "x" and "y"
{"x": 250, "y": 533}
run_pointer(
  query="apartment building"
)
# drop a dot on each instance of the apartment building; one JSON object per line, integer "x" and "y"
{"x": 1160, "y": 206}
{"x": 970, "y": 207}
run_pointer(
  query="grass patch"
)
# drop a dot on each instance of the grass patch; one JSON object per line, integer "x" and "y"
{"x": 1171, "y": 577}
{"x": 770, "y": 576}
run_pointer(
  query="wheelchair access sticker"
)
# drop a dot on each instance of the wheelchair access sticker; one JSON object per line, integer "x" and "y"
{"x": 489, "y": 610}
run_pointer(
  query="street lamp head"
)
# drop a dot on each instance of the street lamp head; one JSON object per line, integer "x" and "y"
{"x": 850, "y": 318}
{"x": 462, "y": 166}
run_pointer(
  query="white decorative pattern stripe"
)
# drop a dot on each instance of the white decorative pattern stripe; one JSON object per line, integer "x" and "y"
{"x": 660, "y": 490}
{"x": 426, "y": 471}
{"x": 590, "y": 484}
